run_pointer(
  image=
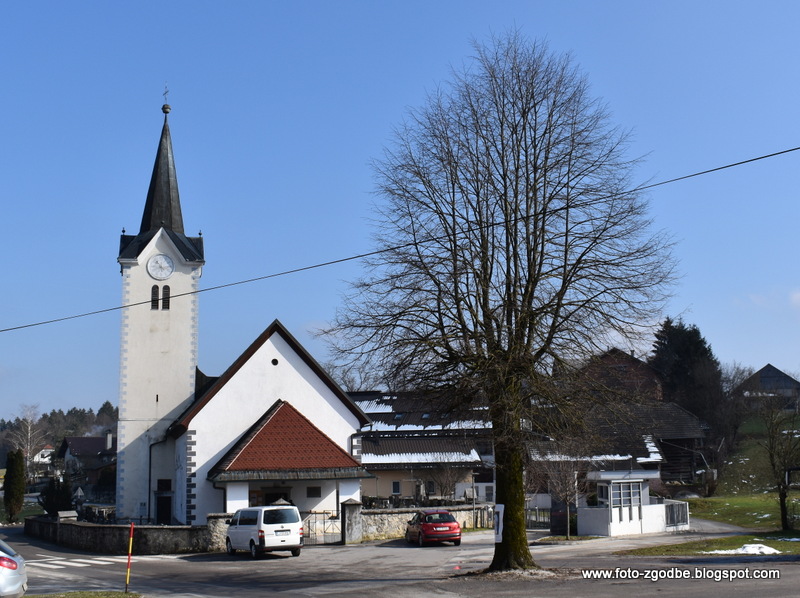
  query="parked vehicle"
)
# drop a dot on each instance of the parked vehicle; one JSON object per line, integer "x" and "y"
{"x": 265, "y": 529}
{"x": 433, "y": 525}
{"x": 13, "y": 577}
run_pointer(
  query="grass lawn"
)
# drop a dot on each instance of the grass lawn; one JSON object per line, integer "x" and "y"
{"x": 564, "y": 538}
{"x": 28, "y": 509}
{"x": 785, "y": 542}
{"x": 754, "y": 511}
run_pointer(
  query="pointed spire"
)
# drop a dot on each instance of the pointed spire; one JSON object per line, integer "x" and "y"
{"x": 163, "y": 205}
{"x": 162, "y": 209}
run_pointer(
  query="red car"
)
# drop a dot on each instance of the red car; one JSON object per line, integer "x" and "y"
{"x": 434, "y": 525}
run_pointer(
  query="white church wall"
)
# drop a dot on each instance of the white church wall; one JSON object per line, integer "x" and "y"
{"x": 255, "y": 387}
{"x": 153, "y": 341}
{"x": 237, "y": 495}
{"x": 180, "y": 478}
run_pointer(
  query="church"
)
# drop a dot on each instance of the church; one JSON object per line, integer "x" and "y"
{"x": 273, "y": 426}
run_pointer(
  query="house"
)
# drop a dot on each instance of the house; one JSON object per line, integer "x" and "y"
{"x": 627, "y": 399}
{"x": 44, "y": 456}
{"x": 625, "y": 506}
{"x": 273, "y": 425}
{"x": 418, "y": 452}
{"x": 621, "y": 375}
{"x": 90, "y": 465}
{"x": 676, "y": 434}
{"x": 415, "y": 467}
{"x": 771, "y": 382}
{"x": 632, "y": 442}
{"x": 618, "y": 476}
{"x": 42, "y": 462}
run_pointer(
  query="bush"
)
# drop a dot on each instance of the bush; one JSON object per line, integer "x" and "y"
{"x": 56, "y": 497}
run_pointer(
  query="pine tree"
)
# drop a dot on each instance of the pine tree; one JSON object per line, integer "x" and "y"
{"x": 693, "y": 376}
{"x": 14, "y": 487}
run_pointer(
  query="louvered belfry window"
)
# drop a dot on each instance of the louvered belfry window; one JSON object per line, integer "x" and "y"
{"x": 162, "y": 297}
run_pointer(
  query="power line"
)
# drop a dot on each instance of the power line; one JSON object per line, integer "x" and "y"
{"x": 361, "y": 255}
{"x": 718, "y": 168}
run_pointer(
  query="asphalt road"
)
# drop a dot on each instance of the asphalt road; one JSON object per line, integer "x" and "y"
{"x": 396, "y": 569}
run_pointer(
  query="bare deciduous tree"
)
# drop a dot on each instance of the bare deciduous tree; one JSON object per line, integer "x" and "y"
{"x": 510, "y": 240}
{"x": 27, "y": 434}
{"x": 447, "y": 474}
{"x": 353, "y": 377}
{"x": 781, "y": 445}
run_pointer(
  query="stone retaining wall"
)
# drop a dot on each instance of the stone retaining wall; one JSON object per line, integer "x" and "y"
{"x": 147, "y": 539}
{"x": 363, "y": 525}
{"x": 381, "y": 524}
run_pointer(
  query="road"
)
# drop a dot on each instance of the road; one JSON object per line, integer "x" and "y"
{"x": 396, "y": 569}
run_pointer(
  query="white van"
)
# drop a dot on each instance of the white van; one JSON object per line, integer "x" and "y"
{"x": 264, "y": 529}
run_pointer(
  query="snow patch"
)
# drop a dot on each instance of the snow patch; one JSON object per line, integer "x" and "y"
{"x": 747, "y": 549}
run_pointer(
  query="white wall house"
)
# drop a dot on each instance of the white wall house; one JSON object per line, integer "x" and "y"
{"x": 625, "y": 506}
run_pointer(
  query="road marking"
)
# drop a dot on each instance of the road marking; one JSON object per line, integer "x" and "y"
{"x": 93, "y": 561}
{"x": 118, "y": 559}
{"x": 61, "y": 563}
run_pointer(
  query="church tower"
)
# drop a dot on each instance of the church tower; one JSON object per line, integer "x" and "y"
{"x": 161, "y": 269}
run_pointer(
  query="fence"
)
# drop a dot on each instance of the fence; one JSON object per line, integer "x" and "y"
{"x": 676, "y": 513}
{"x": 537, "y": 518}
{"x": 322, "y": 528}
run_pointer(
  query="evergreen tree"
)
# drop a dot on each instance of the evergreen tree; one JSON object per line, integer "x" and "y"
{"x": 14, "y": 486}
{"x": 56, "y": 497}
{"x": 692, "y": 375}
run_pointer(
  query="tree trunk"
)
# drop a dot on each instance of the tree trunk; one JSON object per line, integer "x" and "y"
{"x": 569, "y": 521}
{"x": 782, "y": 495}
{"x": 513, "y": 551}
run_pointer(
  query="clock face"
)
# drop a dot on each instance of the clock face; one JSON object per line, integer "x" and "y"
{"x": 160, "y": 266}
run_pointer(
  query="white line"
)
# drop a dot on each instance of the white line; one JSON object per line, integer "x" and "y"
{"x": 73, "y": 564}
{"x": 117, "y": 559}
{"x": 43, "y": 565}
{"x": 93, "y": 561}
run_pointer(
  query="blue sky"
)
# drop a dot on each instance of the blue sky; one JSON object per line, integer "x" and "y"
{"x": 277, "y": 110}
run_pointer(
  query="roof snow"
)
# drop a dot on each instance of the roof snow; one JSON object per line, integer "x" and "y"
{"x": 427, "y": 458}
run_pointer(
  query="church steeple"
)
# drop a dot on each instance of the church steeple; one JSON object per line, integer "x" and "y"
{"x": 161, "y": 269}
{"x": 162, "y": 208}
{"x": 163, "y": 205}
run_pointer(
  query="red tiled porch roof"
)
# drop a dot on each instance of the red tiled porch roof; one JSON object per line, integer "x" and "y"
{"x": 284, "y": 443}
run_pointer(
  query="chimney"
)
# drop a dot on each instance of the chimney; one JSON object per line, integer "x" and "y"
{"x": 109, "y": 440}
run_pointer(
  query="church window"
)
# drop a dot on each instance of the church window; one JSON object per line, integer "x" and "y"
{"x": 164, "y": 297}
